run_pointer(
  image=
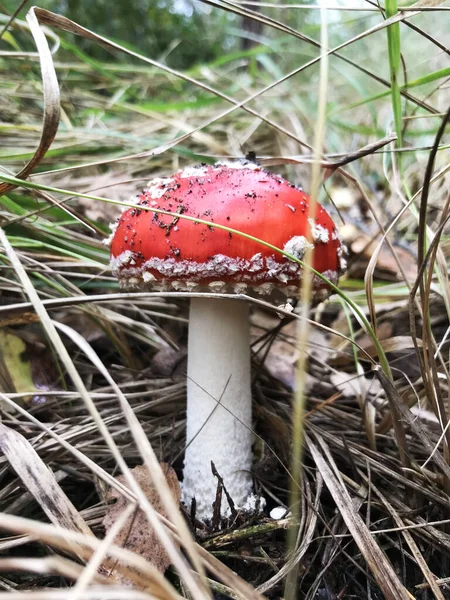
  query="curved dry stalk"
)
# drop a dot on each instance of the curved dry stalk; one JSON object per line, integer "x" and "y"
{"x": 51, "y": 100}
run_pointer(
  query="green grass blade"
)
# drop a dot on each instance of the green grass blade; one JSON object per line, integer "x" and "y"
{"x": 393, "y": 36}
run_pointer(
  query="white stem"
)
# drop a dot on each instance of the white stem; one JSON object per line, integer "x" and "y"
{"x": 219, "y": 405}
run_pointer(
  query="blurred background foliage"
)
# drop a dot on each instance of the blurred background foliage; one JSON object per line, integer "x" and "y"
{"x": 179, "y": 33}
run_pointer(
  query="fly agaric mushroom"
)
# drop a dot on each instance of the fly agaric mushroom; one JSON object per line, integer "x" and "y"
{"x": 166, "y": 253}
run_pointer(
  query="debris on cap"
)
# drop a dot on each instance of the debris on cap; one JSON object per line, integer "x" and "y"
{"x": 169, "y": 253}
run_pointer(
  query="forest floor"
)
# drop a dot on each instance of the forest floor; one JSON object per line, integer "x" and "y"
{"x": 93, "y": 379}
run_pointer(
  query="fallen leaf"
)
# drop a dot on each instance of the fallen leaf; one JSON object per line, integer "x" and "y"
{"x": 169, "y": 362}
{"x": 386, "y": 268}
{"x": 137, "y": 534}
{"x": 282, "y": 356}
{"x": 346, "y": 383}
{"x": 15, "y": 370}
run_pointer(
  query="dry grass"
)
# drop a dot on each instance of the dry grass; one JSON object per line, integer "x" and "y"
{"x": 92, "y": 380}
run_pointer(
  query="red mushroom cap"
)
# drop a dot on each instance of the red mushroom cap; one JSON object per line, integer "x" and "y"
{"x": 168, "y": 253}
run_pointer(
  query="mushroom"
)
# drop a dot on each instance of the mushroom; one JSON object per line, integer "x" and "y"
{"x": 166, "y": 253}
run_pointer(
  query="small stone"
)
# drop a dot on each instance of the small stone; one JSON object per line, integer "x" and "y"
{"x": 279, "y": 512}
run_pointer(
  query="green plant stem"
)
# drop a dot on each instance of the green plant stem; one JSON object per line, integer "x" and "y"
{"x": 393, "y": 36}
